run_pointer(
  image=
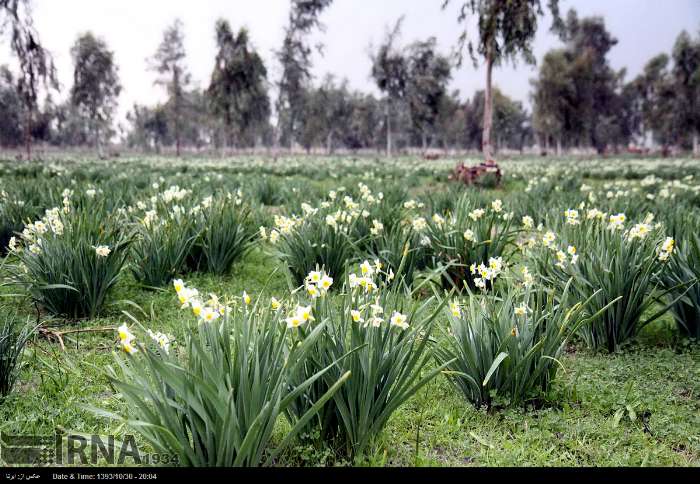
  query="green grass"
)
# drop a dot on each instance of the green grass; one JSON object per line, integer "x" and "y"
{"x": 577, "y": 430}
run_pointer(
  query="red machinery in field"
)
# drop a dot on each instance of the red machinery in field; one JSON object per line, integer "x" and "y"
{"x": 478, "y": 174}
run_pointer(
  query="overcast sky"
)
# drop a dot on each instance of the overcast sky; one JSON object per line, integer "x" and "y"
{"x": 133, "y": 29}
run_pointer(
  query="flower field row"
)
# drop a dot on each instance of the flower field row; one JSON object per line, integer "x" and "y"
{"x": 387, "y": 287}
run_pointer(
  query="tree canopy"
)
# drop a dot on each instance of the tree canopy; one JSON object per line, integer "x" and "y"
{"x": 169, "y": 63}
{"x": 237, "y": 91}
{"x": 95, "y": 82}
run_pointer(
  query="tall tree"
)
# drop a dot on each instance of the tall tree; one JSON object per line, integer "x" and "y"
{"x": 295, "y": 59}
{"x": 71, "y": 127}
{"x": 364, "y": 122}
{"x": 596, "y": 84}
{"x": 336, "y": 111}
{"x": 390, "y": 73}
{"x": 149, "y": 127}
{"x": 169, "y": 63}
{"x": 326, "y": 116}
{"x": 10, "y": 110}
{"x": 428, "y": 75}
{"x": 506, "y": 30}
{"x": 659, "y": 101}
{"x": 686, "y": 77}
{"x": 238, "y": 87}
{"x": 36, "y": 67}
{"x": 96, "y": 84}
{"x": 451, "y": 123}
{"x": 553, "y": 95}
{"x": 578, "y": 98}
{"x": 197, "y": 127}
{"x": 510, "y": 120}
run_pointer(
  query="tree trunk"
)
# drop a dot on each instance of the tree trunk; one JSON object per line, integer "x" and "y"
{"x": 177, "y": 128}
{"x": 559, "y": 145}
{"x": 696, "y": 145}
{"x": 424, "y": 141}
{"x": 329, "y": 143}
{"x": 98, "y": 143}
{"x": 28, "y": 134}
{"x": 486, "y": 147}
{"x": 388, "y": 128}
{"x": 546, "y": 144}
{"x": 292, "y": 122}
{"x": 176, "y": 85}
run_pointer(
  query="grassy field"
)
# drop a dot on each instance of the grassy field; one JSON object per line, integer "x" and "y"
{"x": 637, "y": 406}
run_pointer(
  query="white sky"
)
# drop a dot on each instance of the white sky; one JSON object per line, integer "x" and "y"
{"x": 133, "y": 29}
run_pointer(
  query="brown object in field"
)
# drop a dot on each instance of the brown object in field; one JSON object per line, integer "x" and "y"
{"x": 470, "y": 175}
{"x": 635, "y": 150}
{"x": 431, "y": 155}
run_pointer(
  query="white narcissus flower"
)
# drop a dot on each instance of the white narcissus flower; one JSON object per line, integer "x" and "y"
{"x": 419, "y": 224}
{"x": 330, "y": 220}
{"x": 399, "y": 320}
{"x": 454, "y": 309}
{"x": 668, "y": 244}
{"x": 617, "y": 221}
{"x": 548, "y": 239}
{"x": 40, "y": 227}
{"x": 326, "y": 282}
{"x": 356, "y": 316}
{"x": 496, "y": 264}
{"x": 314, "y": 277}
{"x": 293, "y": 321}
{"x": 178, "y": 285}
{"x": 126, "y": 339}
{"x": 476, "y": 214}
{"x": 313, "y": 291}
{"x": 186, "y": 296}
{"x": 561, "y": 257}
{"x": 275, "y": 304}
{"x": 301, "y": 315}
{"x": 196, "y": 306}
{"x": 208, "y": 315}
{"x": 377, "y": 227}
{"x": 571, "y": 217}
{"x": 13, "y": 244}
{"x": 666, "y": 249}
{"x": 521, "y": 310}
{"x": 162, "y": 339}
{"x": 305, "y": 313}
{"x": 102, "y": 250}
{"x": 528, "y": 279}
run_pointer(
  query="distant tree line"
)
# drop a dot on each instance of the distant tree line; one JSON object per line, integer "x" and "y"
{"x": 578, "y": 99}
